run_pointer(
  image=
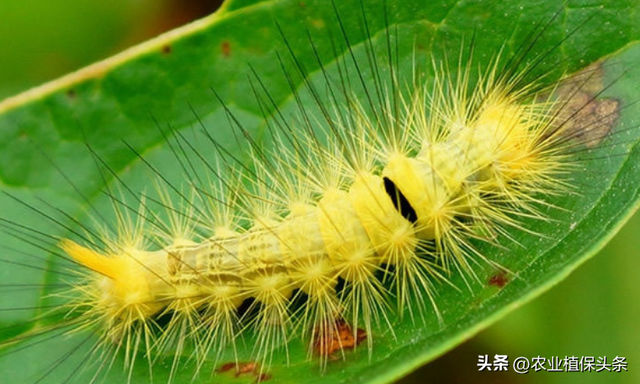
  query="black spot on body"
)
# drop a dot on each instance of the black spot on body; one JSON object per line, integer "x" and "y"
{"x": 400, "y": 201}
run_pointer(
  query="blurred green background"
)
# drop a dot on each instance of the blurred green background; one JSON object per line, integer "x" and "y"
{"x": 594, "y": 312}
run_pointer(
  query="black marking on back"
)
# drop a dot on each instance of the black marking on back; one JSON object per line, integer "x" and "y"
{"x": 400, "y": 201}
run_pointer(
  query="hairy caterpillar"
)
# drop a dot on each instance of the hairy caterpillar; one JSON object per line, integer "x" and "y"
{"x": 365, "y": 152}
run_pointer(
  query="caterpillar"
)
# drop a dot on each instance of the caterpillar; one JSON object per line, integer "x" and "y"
{"x": 377, "y": 200}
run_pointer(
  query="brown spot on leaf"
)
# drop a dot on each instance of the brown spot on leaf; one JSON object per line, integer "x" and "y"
{"x": 71, "y": 93}
{"x": 248, "y": 367}
{"x": 499, "y": 280}
{"x": 581, "y": 114}
{"x": 225, "y": 47}
{"x": 166, "y": 49}
{"x": 338, "y": 337}
{"x": 262, "y": 377}
{"x": 245, "y": 368}
{"x": 227, "y": 367}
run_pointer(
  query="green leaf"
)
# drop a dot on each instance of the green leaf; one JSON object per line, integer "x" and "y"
{"x": 167, "y": 79}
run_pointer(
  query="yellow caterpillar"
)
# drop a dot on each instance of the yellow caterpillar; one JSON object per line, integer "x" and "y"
{"x": 402, "y": 204}
{"x": 367, "y": 207}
